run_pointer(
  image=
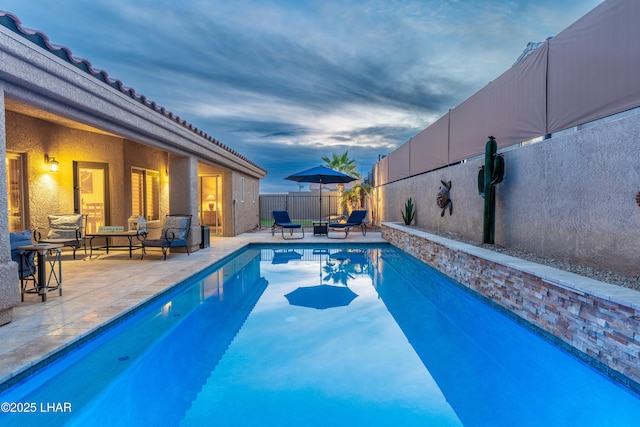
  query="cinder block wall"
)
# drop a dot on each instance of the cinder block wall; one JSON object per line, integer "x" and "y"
{"x": 602, "y": 331}
{"x": 569, "y": 197}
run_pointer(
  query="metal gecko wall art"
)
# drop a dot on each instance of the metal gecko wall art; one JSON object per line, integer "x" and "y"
{"x": 444, "y": 197}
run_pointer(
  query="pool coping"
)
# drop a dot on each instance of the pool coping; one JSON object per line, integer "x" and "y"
{"x": 597, "y": 322}
{"x": 554, "y": 276}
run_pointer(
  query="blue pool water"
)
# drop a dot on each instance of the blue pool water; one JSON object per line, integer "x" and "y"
{"x": 399, "y": 345}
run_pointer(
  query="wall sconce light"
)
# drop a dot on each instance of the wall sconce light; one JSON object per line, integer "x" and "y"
{"x": 52, "y": 162}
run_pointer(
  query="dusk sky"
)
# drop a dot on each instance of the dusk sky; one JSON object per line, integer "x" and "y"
{"x": 286, "y": 83}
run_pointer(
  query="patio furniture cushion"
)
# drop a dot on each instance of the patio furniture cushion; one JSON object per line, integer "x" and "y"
{"x": 67, "y": 230}
{"x": 356, "y": 219}
{"x": 26, "y": 266}
{"x": 176, "y": 227}
{"x": 281, "y": 219}
{"x": 284, "y": 256}
{"x": 175, "y": 233}
{"x": 64, "y": 226}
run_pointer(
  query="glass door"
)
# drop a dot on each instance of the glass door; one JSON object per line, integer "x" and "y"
{"x": 91, "y": 184}
{"x": 15, "y": 192}
{"x": 210, "y": 202}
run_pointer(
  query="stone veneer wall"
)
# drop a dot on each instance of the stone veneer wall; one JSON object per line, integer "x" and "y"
{"x": 601, "y": 329}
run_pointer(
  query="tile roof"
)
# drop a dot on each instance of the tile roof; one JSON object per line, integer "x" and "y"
{"x": 13, "y": 23}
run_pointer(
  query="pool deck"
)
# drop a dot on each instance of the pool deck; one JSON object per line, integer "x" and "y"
{"x": 98, "y": 290}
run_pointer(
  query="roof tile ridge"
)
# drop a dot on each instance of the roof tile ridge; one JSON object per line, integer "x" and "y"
{"x": 13, "y": 23}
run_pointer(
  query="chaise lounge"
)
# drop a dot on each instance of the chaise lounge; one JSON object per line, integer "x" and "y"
{"x": 356, "y": 219}
{"x": 283, "y": 256}
{"x": 281, "y": 219}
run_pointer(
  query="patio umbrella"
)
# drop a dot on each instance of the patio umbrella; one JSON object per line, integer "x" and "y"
{"x": 321, "y": 296}
{"x": 321, "y": 175}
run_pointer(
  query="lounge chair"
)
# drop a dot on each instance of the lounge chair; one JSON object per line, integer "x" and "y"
{"x": 281, "y": 219}
{"x": 356, "y": 219}
{"x": 175, "y": 234}
{"x": 284, "y": 256}
{"x": 67, "y": 230}
{"x": 26, "y": 261}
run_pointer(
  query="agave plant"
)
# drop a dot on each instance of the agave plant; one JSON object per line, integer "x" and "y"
{"x": 409, "y": 212}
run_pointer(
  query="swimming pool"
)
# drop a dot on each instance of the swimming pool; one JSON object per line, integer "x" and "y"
{"x": 392, "y": 342}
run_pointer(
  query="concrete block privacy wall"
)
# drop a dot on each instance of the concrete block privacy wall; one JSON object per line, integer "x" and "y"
{"x": 598, "y": 322}
{"x": 570, "y": 197}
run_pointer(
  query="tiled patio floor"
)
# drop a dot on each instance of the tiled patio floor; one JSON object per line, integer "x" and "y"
{"x": 97, "y": 290}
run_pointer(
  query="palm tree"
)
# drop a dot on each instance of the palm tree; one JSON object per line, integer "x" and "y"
{"x": 342, "y": 163}
{"x": 356, "y": 197}
{"x": 346, "y": 269}
{"x": 339, "y": 272}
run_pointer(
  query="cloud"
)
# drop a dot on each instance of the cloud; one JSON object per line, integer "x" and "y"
{"x": 286, "y": 83}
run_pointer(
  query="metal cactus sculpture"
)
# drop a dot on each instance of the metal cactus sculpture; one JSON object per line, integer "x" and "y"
{"x": 489, "y": 175}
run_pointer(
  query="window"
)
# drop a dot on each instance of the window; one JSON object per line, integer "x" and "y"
{"x": 145, "y": 194}
{"x": 15, "y": 192}
{"x": 242, "y": 189}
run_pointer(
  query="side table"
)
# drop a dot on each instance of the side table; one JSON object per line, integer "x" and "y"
{"x": 47, "y": 254}
{"x": 320, "y": 228}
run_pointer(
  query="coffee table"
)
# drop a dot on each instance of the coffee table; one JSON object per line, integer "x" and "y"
{"x": 139, "y": 235}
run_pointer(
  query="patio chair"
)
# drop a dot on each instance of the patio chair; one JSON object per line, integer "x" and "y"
{"x": 26, "y": 261}
{"x": 281, "y": 219}
{"x": 67, "y": 230}
{"x": 356, "y": 219}
{"x": 175, "y": 234}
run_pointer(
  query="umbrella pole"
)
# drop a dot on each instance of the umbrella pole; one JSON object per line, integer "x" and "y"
{"x": 320, "y": 218}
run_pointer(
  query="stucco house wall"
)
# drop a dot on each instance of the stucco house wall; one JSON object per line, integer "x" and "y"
{"x": 53, "y": 193}
{"x": 9, "y": 290}
{"x": 246, "y": 202}
{"x": 56, "y": 104}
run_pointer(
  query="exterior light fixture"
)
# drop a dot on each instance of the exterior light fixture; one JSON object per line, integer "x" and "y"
{"x": 52, "y": 162}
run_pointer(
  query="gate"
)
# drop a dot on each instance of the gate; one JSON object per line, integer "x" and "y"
{"x": 303, "y": 208}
